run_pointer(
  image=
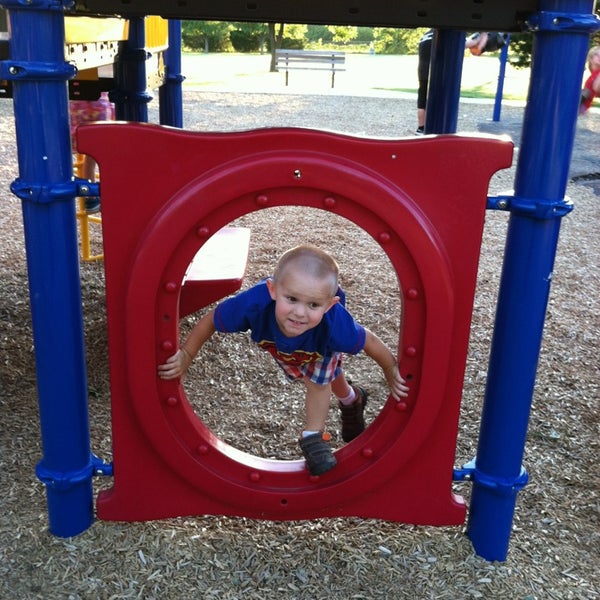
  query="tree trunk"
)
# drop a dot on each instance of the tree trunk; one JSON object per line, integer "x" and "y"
{"x": 275, "y": 42}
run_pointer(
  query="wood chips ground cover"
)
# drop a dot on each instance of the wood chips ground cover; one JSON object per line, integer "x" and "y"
{"x": 554, "y": 546}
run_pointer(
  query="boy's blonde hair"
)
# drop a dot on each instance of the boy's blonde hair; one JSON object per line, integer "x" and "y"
{"x": 311, "y": 260}
{"x": 592, "y": 52}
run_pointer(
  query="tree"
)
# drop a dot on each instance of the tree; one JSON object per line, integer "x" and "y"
{"x": 319, "y": 34}
{"x": 294, "y": 36}
{"x": 342, "y": 34}
{"x": 249, "y": 37}
{"x": 275, "y": 38}
{"x": 285, "y": 36}
{"x": 365, "y": 35}
{"x": 206, "y": 35}
{"x": 397, "y": 41}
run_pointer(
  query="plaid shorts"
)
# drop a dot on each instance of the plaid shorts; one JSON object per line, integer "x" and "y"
{"x": 320, "y": 372}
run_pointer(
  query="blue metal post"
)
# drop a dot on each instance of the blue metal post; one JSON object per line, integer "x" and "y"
{"x": 170, "y": 95}
{"x": 447, "y": 55}
{"x": 561, "y": 38}
{"x": 131, "y": 96}
{"x": 39, "y": 74}
{"x": 501, "y": 76}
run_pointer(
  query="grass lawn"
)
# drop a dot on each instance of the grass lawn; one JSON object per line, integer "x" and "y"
{"x": 363, "y": 74}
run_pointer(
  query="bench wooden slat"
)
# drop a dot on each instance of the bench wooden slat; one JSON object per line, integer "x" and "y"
{"x": 310, "y": 60}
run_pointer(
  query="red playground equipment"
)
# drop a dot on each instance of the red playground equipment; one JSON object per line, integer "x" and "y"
{"x": 166, "y": 461}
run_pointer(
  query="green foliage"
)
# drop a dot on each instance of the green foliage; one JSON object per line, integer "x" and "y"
{"x": 342, "y": 34}
{"x": 519, "y": 53}
{"x": 319, "y": 34}
{"x": 365, "y": 35}
{"x": 206, "y": 35}
{"x": 283, "y": 35}
{"x": 412, "y": 38}
{"x": 397, "y": 41}
{"x": 217, "y": 36}
{"x": 294, "y": 36}
{"x": 249, "y": 37}
{"x": 323, "y": 35}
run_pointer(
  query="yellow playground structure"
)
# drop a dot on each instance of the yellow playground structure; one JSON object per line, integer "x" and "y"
{"x": 92, "y": 45}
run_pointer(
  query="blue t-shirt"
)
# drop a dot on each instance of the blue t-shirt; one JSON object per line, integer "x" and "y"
{"x": 254, "y": 310}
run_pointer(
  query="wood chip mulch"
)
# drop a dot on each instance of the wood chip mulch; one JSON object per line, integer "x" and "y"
{"x": 554, "y": 547}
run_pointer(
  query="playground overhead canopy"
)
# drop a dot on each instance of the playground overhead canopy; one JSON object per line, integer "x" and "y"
{"x": 476, "y": 15}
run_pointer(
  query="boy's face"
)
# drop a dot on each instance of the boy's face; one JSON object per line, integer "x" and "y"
{"x": 300, "y": 301}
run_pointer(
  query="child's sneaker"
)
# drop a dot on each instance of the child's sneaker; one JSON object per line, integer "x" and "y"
{"x": 319, "y": 456}
{"x": 352, "y": 416}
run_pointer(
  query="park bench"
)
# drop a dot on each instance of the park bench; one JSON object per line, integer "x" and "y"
{"x": 319, "y": 60}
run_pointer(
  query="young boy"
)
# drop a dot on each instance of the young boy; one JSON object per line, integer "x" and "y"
{"x": 298, "y": 316}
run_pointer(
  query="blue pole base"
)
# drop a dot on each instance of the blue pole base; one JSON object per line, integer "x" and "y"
{"x": 70, "y": 511}
{"x": 70, "y": 496}
{"x": 491, "y": 514}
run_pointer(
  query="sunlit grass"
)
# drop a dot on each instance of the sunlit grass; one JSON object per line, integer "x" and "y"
{"x": 513, "y": 90}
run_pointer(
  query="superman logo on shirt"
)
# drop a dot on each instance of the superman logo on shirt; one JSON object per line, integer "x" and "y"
{"x": 294, "y": 359}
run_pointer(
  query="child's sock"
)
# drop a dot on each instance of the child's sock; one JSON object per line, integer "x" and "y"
{"x": 349, "y": 399}
{"x": 306, "y": 433}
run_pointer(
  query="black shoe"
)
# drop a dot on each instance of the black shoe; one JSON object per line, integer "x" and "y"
{"x": 319, "y": 456}
{"x": 352, "y": 415}
{"x": 420, "y": 130}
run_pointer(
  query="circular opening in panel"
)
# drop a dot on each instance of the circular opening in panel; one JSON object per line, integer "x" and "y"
{"x": 238, "y": 391}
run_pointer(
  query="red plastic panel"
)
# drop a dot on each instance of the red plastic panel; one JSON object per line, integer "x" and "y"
{"x": 423, "y": 200}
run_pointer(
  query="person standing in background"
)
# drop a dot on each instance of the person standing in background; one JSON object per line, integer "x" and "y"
{"x": 477, "y": 44}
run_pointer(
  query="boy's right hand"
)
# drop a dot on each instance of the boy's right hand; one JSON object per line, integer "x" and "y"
{"x": 176, "y": 365}
{"x": 396, "y": 382}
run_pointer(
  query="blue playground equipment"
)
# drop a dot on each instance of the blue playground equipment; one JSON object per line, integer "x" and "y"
{"x": 38, "y": 72}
